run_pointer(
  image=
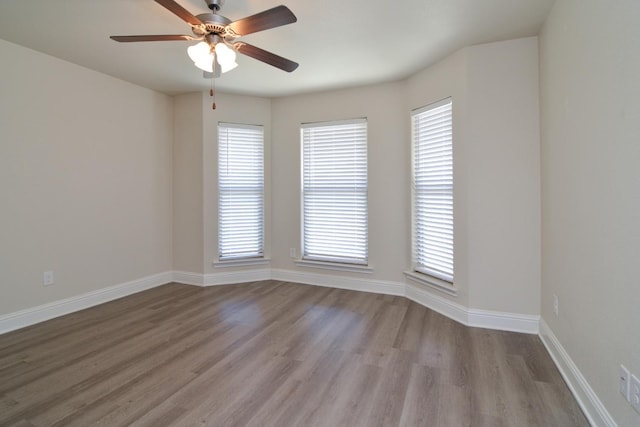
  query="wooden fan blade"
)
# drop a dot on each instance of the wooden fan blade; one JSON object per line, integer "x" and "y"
{"x": 151, "y": 38}
{"x": 180, "y": 11}
{"x": 271, "y": 18}
{"x": 266, "y": 57}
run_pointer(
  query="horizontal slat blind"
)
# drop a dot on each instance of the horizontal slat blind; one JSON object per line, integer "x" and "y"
{"x": 334, "y": 191}
{"x": 433, "y": 190}
{"x": 241, "y": 191}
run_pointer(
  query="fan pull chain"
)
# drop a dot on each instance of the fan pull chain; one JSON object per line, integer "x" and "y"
{"x": 213, "y": 85}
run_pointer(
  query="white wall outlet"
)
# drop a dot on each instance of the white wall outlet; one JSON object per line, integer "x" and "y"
{"x": 624, "y": 384}
{"x": 555, "y": 305}
{"x": 292, "y": 252}
{"x": 47, "y": 278}
{"x": 635, "y": 393}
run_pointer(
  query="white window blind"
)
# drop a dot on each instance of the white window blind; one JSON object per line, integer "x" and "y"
{"x": 334, "y": 191}
{"x": 240, "y": 191}
{"x": 433, "y": 190}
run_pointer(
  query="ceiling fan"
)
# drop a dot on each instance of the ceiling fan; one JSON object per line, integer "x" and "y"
{"x": 217, "y": 36}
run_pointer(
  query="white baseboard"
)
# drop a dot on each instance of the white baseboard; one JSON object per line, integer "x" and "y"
{"x": 423, "y": 295}
{"x": 222, "y": 278}
{"x": 437, "y": 303}
{"x": 31, "y": 316}
{"x": 340, "y": 282}
{"x": 498, "y": 320}
{"x": 471, "y": 317}
{"x": 187, "y": 278}
{"x": 426, "y": 297}
{"x": 591, "y": 405}
{"x": 513, "y": 322}
{"x": 233, "y": 277}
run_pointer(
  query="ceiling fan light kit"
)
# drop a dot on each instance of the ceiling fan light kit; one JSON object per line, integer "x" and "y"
{"x": 226, "y": 57}
{"x": 217, "y": 36}
{"x": 203, "y": 55}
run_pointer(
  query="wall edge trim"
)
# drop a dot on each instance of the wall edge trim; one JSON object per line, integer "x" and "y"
{"x": 513, "y": 322}
{"x": 340, "y": 282}
{"x": 591, "y": 406}
{"x": 31, "y": 316}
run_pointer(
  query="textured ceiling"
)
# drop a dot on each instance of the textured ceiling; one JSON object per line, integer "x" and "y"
{"x": 339, "y": 44}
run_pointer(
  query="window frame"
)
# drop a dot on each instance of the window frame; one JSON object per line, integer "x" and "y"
{"x": 439, "y": 272}
{"x": 307, "y": 255}
{"x": 258, "y": 255}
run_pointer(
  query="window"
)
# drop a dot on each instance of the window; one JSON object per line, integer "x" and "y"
{"x": 432, "y": 187}
{"x": 334, "y": 191}
{"x": 240, "y": 191}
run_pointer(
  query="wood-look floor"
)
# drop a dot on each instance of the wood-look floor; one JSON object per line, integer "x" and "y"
{"x": 275, "y": 354}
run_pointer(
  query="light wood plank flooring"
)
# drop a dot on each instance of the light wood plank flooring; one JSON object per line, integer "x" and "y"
{"x": 275, "y": 354}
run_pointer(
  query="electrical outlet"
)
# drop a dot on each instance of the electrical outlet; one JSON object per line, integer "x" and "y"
{"x": 555, "y": 305}
{"x": 625, "y": 383}
{"x": 635, "y": 393}
{"x": 292, "y": 252}
{"x": 47, "y": 278}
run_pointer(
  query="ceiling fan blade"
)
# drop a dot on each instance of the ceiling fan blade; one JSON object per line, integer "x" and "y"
{"x": 180, "y": 11}
{"x": 151, "y": 38}
{"x": 271, "y": 18}
{"x": 265, "y": 56}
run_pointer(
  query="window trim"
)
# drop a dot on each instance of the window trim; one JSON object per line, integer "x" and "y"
{"x": 251, "y": 259}
{"x": 336, "y": 266}
{"x": 330, "y": 262}
{"x": 422, "y": 273}
{"x": 432, "y": 282}
{"x": 241, "y": 262}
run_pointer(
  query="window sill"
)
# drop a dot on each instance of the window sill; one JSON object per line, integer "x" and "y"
{"x": 432, "y": 282}
{"x": 355, "y": 268}
{"x": 241, "y": 262}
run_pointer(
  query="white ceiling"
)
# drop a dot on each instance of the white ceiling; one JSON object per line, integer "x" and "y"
{"x": 338, "y": 44}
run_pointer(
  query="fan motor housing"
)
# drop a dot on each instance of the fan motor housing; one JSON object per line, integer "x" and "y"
{"x": 214, "y": 24}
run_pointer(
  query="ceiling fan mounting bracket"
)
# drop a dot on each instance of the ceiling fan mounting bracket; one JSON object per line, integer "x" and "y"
{"x": 214, "y": 5}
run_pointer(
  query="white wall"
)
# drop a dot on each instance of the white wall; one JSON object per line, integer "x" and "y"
{"x": 188, "y": 215}
{"x": 590, "y": 133}
{"x": 503, "y": 176}
{"x": 85, "y": 179}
